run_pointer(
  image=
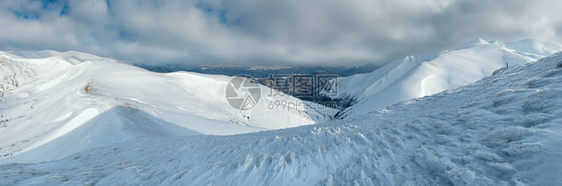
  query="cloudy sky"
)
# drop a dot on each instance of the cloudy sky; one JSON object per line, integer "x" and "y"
{"x": 269, "y": 32}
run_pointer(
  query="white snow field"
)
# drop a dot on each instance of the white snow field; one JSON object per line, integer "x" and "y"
{"x": 418, "y": 76}
{"x": 505, "y": 129}
{"x": 55, "y": 104}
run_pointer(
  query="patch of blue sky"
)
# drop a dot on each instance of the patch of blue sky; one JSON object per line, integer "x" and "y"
{"x": 29, "y": 15}
{"x": 55, "y": 5}
{"x": 219, "y": 12}
{"x": 64, "y": 10}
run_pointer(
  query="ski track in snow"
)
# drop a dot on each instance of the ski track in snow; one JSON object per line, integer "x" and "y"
{"x": 502, "y": 130}
{"x": 422, "y": 83}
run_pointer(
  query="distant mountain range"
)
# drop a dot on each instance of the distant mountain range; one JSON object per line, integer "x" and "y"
{"x": 262, "y": 71}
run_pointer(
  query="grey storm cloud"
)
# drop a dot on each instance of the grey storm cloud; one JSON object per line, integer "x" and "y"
{"x": 285, "y": 32}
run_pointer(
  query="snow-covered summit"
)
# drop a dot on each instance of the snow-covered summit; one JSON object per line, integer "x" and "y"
{"x": 422, "y": 75}
{"x": 473, "y": 43}
{"x": 73, "y": 57}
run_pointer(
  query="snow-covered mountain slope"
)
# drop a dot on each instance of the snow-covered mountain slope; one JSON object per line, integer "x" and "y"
{"x": 418, "y": 76}
{"x": 73, "y": 57}
{"x": 534, "y": 47}
{"x": 51, "y": 107}
{"x": 505, "y": 129}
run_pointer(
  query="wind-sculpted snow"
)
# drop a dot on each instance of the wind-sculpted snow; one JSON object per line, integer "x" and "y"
{"x": 502, "y": 130}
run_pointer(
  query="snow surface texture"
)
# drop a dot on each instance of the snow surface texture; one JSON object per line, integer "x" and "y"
{"x": 55, "y": 104}
{"x": 505, "y": 129}
{"x": 418, "y": 76}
